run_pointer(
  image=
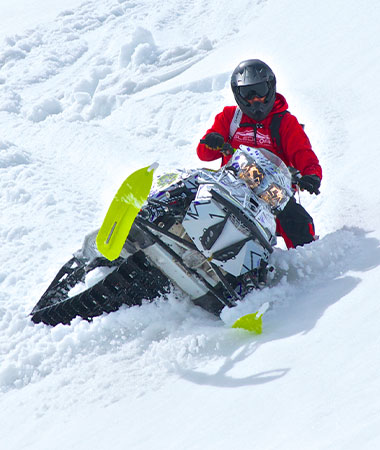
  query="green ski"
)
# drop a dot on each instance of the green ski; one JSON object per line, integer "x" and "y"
{"x": 252, "y": 322}
{"x": 122, "y": 212}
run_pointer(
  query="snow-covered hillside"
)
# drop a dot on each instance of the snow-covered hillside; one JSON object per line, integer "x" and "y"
{"x": 89, "y": 92}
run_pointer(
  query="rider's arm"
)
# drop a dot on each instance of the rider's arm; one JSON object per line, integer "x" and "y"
{"x": 297, "y": 147}
{"x": 222, "y": 126}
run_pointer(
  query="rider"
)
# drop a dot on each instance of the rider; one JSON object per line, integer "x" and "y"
{"x": 254, "y": 86}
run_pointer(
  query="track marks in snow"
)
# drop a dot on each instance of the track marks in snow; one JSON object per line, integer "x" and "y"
{"x": 69, "y": 49}
{"x": 136, "y": 66}
{"x": 45, "y": 52}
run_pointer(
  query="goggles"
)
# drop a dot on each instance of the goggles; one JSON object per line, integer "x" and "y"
{"x": 254, "y": 90}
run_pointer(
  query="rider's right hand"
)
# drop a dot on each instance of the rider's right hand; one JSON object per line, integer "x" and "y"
{"x": 213, "y": 141}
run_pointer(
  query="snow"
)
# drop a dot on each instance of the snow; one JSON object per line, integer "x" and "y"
{"x": 91, "y": 91}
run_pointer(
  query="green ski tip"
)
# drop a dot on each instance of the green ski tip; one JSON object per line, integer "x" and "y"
{"x": 250, "y": 322}
{"x": 123, "y": 210}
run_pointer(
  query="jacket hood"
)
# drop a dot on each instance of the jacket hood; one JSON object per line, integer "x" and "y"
{"x": 280, "y": 105}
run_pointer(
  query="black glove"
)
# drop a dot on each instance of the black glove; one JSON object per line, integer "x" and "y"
{"x": 227, "y": 149}
{"x": 213, "y": 140}
{"x": 311, "y": 183}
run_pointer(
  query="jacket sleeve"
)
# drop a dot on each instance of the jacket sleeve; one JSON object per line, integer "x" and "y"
{"x": 222, "y": 126}
{"x": 297, "y": 147}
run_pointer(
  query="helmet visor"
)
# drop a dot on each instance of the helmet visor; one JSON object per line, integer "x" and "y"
{"x": 254, "y": 90}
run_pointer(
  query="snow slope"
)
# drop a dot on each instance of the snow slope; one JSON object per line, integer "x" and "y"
{"x": 91, "y": 91}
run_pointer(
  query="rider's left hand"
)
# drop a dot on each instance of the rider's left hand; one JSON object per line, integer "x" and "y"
{"x": 311, "y": 183}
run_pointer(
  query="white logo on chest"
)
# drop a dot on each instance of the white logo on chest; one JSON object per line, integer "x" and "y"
{"x": 247, "y": 137}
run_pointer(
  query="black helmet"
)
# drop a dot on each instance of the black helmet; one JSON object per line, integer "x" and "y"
{"x": 254, "y": 78}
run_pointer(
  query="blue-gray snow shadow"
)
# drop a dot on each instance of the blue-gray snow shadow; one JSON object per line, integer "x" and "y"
{"x": 221, "y": 378}
{"x": 297, "y": 316}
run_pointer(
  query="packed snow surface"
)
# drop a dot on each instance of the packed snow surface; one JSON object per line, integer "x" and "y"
{"x": 91, "y": 91}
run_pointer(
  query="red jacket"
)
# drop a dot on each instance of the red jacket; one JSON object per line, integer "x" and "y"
{"x": 296, "y": 148}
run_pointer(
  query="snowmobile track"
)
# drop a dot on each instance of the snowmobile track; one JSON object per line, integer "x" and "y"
{"x": 132, "y": 281}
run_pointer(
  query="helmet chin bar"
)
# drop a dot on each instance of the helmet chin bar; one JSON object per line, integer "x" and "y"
{"x": 255, "y": 110}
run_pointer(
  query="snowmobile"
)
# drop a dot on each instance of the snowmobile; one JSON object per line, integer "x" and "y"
{"x": 209, "y": 233}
